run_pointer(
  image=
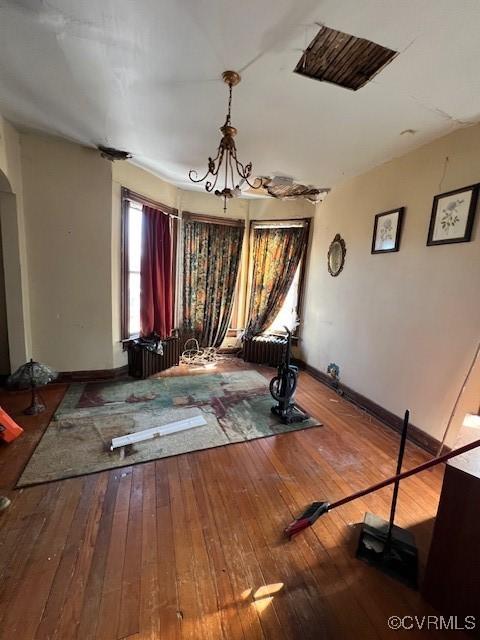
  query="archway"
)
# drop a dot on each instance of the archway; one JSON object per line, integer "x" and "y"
{"x": 4, "y": 348}
{"x": 14, "y": 277}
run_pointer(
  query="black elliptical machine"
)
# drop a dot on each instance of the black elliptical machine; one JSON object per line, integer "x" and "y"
{"x": 282, "y": 388}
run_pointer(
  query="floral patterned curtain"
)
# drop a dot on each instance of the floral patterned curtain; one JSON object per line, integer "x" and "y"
{"x": 276, "y": 255}
{"x": 211, "y": 261}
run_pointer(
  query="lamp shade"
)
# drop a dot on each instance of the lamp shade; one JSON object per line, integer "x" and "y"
{"x": 31, "y": 374}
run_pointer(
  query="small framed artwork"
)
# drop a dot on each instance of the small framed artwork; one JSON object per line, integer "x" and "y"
{"x": 387, "y": 230}
{"x": 452, "y": 216}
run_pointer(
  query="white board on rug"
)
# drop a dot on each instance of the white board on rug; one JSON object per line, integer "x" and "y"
{"x": 164, "y": 430}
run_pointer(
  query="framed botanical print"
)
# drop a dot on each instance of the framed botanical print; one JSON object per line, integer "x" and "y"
{"x": 452, "y": 216}
{"x": 386, "y": 231}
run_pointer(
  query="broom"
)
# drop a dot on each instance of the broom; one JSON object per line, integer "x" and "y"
{"x": 317, "y": 509}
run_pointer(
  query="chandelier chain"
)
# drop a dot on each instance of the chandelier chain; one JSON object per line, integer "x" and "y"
{"x": 228, "y": 120}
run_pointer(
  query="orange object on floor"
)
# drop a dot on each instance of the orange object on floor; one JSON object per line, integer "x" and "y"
{"x": 9, "y": 429}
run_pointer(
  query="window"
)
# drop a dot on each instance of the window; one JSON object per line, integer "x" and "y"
{"x": 288, "y": 316}
{"x": 132, "y": 217}
{"x": 134, "y": 255}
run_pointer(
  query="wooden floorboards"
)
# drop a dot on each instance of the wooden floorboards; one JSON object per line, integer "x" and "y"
{"x": 191, "y": 546}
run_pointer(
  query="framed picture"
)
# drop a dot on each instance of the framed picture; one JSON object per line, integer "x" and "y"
{"x": 452, "y": 216}
{"x": 387, "y": 230}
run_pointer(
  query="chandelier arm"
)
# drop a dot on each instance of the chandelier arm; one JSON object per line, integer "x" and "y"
{"x": 220, "y": 160}
{"x": 244, "y": 171}
{"x": 241, "y": 170}
{"x": 213, "y": 160}
{"x": 210, "y": 186}
{"x": 256, "y": 185}
{"x": 194, "y": 173}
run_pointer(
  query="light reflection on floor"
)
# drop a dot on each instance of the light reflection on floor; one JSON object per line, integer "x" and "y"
{"x": 263, "y": 596}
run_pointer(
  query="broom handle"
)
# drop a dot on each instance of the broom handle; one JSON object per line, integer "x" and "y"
{"x": 396, "y": 484}
{"x": 406, "y": 474}
{"x": 452, "y": 414}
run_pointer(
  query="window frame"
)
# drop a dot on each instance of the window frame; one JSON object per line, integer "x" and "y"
{"x": 127, "y": 196}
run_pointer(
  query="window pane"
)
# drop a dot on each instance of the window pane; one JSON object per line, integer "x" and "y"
{"x": 134, "y": 237}
{"x": 134, "y": 303}
{"x": 287, "y": 316}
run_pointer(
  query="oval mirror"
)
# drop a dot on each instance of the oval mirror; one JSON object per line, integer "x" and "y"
{"x": 336, "y": 255}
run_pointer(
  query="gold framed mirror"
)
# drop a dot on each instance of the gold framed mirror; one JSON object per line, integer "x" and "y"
{"x": 336, "y": 255}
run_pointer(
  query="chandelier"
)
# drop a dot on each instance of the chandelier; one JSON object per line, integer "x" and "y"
{"x": 226, "y": 163}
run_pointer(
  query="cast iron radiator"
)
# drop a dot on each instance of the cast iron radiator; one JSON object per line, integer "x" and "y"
{"x": 264, "y": 350}
{"x": 143, "y": 363}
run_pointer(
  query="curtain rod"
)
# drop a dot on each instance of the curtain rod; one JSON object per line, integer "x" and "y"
{"x": 275, "y": 224}
{"x": 166, "y": 213}
{"x": 188, "y": 216}
{"x": 132, "y": 196}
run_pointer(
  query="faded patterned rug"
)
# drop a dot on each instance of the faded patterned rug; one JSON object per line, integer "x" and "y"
{"x": 236, "y": 406}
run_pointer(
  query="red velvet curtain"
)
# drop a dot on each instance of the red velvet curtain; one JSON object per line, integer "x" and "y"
{"x": 156, "y": 274}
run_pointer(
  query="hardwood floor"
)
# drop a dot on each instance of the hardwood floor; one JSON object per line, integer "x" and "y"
{"x": 191, "y": 546}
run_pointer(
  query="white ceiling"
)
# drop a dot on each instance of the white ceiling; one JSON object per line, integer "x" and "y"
{"x": 143, "y": 75}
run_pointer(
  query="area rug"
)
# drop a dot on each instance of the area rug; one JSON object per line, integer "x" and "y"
{"x": 236, "y": 406}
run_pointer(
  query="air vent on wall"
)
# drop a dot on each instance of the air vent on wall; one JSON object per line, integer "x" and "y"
{"x": 343, "y": 59}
